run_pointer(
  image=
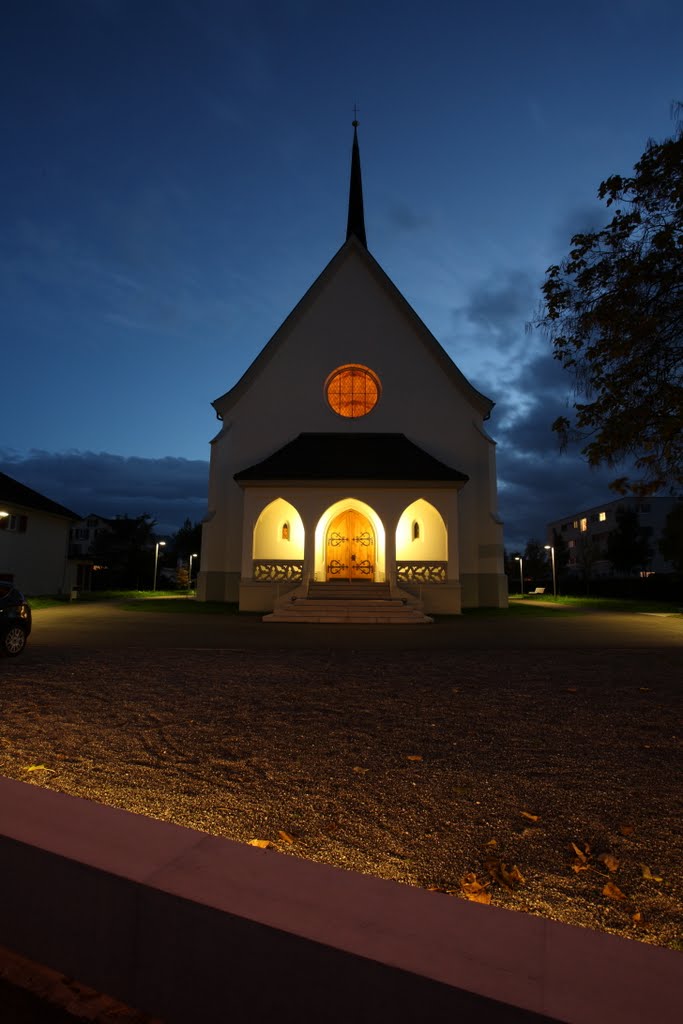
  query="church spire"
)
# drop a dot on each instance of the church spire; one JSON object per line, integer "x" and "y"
{"x": 356, "y": 222}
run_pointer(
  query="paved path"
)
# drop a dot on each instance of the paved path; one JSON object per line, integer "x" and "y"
{"x": 106, "y": 625}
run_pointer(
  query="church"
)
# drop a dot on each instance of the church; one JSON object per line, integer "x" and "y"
{"x": 352, "y": 462}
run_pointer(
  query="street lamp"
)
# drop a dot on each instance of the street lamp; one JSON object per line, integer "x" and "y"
{"x": 189, "y": 572}
{"x": 160, "y": 544}
{"x": 551, "y": 549}
{"x": 518, "y": 558}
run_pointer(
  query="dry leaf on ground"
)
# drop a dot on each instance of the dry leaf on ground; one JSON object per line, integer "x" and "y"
{"x": 38, "y": 768}
{"x": 627, "y": 830}
{"x": 262, "y": 844}
{"x": 285, "y": 837}
{"x": 530, "y": 817}
{"x": 475, "y": 890}
{"x": 609, "y": 860}
{"x": 507, "y": 877}
{"x": 360, "y": 771}
{"x": 646, "y": 873}
{"x": 414, "y": 757}
{"x": 613, "y": 891}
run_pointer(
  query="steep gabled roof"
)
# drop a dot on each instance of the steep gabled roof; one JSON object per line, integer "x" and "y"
{"x": 14, "y": 493}
{"x": 351, "y": 457}
{"x": 353, "y": 248}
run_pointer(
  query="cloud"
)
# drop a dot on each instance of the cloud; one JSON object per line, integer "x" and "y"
{"x": 169, "y": 489}
{"x": 402, "y": 216}
{"x": 502, "y": 303}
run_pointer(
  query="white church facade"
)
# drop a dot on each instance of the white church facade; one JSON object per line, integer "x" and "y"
{"x": 353, "y": 449}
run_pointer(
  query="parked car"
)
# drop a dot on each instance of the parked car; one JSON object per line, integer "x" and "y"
{"x": 15, "y": 620}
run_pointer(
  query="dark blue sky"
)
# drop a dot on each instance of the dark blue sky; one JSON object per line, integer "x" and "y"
{"x": 175, "y": 175}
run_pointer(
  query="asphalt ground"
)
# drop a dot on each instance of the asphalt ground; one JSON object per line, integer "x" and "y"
{"x": 444, "y": 756}
{"x": 106, "y": 625}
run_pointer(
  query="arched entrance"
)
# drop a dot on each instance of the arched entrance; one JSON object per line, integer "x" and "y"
{"x": 350, "y": 547}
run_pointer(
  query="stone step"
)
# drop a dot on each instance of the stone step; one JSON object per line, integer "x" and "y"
{"x": 353, "y": 591}
{"x": 389, "y": 612}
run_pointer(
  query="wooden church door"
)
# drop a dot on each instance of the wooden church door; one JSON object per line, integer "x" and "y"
{"x": 350, "y": 547}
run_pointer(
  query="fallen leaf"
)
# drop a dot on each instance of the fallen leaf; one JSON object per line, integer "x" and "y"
{"x": 262, "y": 844}
{"x": 572, "y": 689}
{"x": 644, "y": 689}
{"x": 38, "y": 768}
{"x": 474, "y": 889}
{"x": 648, "y": 874}
{"x": 579, "y": 853}
{"x": 530, "y": 817}
{"x": 514, "y": 876}
{"x": 360, "y": 771}
{"x": 609, "y": 860}
{"x": 285, "y": 837}
{"x": 627, "y": 830}
{"x": 613, "y": 891}
{"x": 637, "y": 917}
{"x": 492, "y": 842}
{"x": 578, "y": 866}
{"x": 414, "y": 757}
{"x": 499, "y": 873}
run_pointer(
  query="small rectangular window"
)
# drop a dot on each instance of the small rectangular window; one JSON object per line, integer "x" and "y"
{"x": 575, "y": 524}
{"x": 602, "y": 516}
{"x": 584, "y": 525}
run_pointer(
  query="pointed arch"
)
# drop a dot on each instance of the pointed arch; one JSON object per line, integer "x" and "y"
{"x": 334, "y": 510}
{"x": 421, "y": 534}
{"x": 271, "y": 540}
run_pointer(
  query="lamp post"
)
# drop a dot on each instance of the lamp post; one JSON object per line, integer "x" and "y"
{"x": 189, "y": 572}
{"x": 551, "y": 549}
{"x": 160, "y": 544}
{"x": 518, "y": 558}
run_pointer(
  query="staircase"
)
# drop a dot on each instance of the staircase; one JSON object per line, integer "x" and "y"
{"x": 348, "y": 602}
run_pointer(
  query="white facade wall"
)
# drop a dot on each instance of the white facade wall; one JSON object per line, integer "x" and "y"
{"x": 37, "y": 559}
{"x": 353, "y": 318}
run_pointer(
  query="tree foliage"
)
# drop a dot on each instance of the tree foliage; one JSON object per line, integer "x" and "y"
{"x": 127, "y": 552}
{"x": 671, "y": 540}
{"x": 613, "y": 311}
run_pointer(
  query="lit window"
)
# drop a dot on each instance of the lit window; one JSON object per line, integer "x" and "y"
{"x": 584, "y": 525}
{"x": 602, "y": 516}
{"x": 575, "y": 524}
{"x": 352, "y": 390}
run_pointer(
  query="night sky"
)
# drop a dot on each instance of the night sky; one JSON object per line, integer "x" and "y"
{"x": 174, "y": 175}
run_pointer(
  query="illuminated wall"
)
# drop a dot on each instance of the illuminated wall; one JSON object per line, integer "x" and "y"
{"x": 421, "y": 534}
{"x": 279, "y": 533}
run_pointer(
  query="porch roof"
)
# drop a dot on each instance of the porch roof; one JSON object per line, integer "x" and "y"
{"x": 351, "y": 457}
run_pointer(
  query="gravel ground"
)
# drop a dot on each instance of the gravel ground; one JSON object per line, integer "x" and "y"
{"x": 430, "y": 768}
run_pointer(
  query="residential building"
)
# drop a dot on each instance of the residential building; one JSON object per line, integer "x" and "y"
{"x": 594, "y": 525}
{"x": 34, "y": 539}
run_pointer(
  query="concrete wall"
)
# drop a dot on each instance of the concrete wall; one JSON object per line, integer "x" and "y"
{"x": 196, "y": 928}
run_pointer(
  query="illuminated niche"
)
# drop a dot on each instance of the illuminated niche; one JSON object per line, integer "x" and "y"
{"x": 352, "y": 390}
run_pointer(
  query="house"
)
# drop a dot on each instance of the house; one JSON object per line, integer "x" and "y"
{"x": 34, "y": 539}
{"x": 82, "y": 545}
{"x": 353, "y": 449}
{"x": 593, "y": 526}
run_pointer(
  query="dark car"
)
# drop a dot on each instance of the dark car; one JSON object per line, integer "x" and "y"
{"x": 15, "y": 620}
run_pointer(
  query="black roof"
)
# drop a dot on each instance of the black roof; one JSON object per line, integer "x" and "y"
{"x": 351, "y": 457}
{"x": 14, "y": 493}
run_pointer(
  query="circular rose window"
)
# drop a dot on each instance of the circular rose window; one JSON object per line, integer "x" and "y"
{"x": 352, "y": 390}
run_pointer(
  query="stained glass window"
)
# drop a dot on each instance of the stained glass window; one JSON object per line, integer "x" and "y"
{"x": 352, "y": 390}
